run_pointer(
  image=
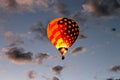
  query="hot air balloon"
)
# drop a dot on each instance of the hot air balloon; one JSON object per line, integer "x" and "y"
{"x": 62, "y": 33}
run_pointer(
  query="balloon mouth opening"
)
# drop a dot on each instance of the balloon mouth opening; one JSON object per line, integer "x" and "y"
{"x": 63, "y": 50}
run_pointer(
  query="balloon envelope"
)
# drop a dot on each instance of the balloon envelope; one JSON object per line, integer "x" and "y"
{"x": 62, "y": 33}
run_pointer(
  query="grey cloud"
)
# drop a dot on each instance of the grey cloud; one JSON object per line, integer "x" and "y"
{"x": 45, "y": 4}
{"x": 109, "y": 79}
{"x": 111, "y": 30}
{"x": 9, "y": 36}
{"x": 39, "y": 31}
{"x": 61, "y": 8}
{"x": 40, "y": 57}
{"x": 31, "y": 74}
{"x": 81, "y": 36}
{"x": 19, "y": 41}
{"x": 54, "y": 78}
{"x": 80, "y": 18}
{"x": 57, "y": 69}
{"x": 113, "y": 79}
{"x": 18, "y": 5}
{"x": 12, "y": 38}
{"x": 47, "y": 78}
{"x": 12, "y": 45}
{"x": 115, "y": 68}
{"x": 33, "y": 5}
{"x": 101, "y": 8}
{"x": 18, "y": 56}
{"x": 11, "y": 4}
{"x": 78, "y": 49}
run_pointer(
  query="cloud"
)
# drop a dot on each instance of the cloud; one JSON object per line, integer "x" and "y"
{"x": 47, "y": 78}
{"x": 18, "y": 5}
{"x": 9, "y": 4}
{"x": 18, "y": 56}
{"x": 100, "y": 8}
{"x": 109, "y": 79}
{"x": 115, "y": 68}
{"x": 31, "y": 74}
{"x": 54, "y": 78}
{"x": 113, "y": 79}
{"x": 39, "y": 31}
{"x": 57, "y": 69}
{"x": 40, "y": 57}
{"x": 80, "y": 18}
{"x": 60, "y": 8}
{"x": 33, "y": 5}
{"x": 19, "y": 41}
{"x": 11, "y": 38}
{"x": 81, "y": 36}
{"x": 78, "y": 50}
{"x": 111, "y": 30}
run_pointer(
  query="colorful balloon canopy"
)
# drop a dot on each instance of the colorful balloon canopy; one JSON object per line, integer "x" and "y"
{"x": 62, "y": 33}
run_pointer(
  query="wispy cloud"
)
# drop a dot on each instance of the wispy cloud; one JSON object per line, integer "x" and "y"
{"x": 110, "y": 79}
{"x": 78, "y": 50}
{"x": 80, "y": 18}
{"x": 54, "y": 78}
{"x": 115, "y": 68}
{"x": 113, "y": 79}
{"x": 47, "y": 78}
{"x": 61, "y": 8}
{"x": 31, "y": 74}
{"x": 34, "y": 5}
{"x": 82, "y": 36}
{"x": 18, "y": 5}
{"x": 9, "y": 4}
{"x": 100, "y": 8}
{"x": 57, "y": 69}
{"x": 40, "y": 57}
{"x": 39, "y": 31}
{"x": 17, "y": 55}
{"x": 111, "y": 30}
{"x": 11, "y": 38}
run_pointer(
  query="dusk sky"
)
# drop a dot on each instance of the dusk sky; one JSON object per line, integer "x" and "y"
{"x": 27, "y": 54}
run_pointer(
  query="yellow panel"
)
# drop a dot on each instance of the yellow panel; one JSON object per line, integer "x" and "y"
{"x": 60, "y": 43}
